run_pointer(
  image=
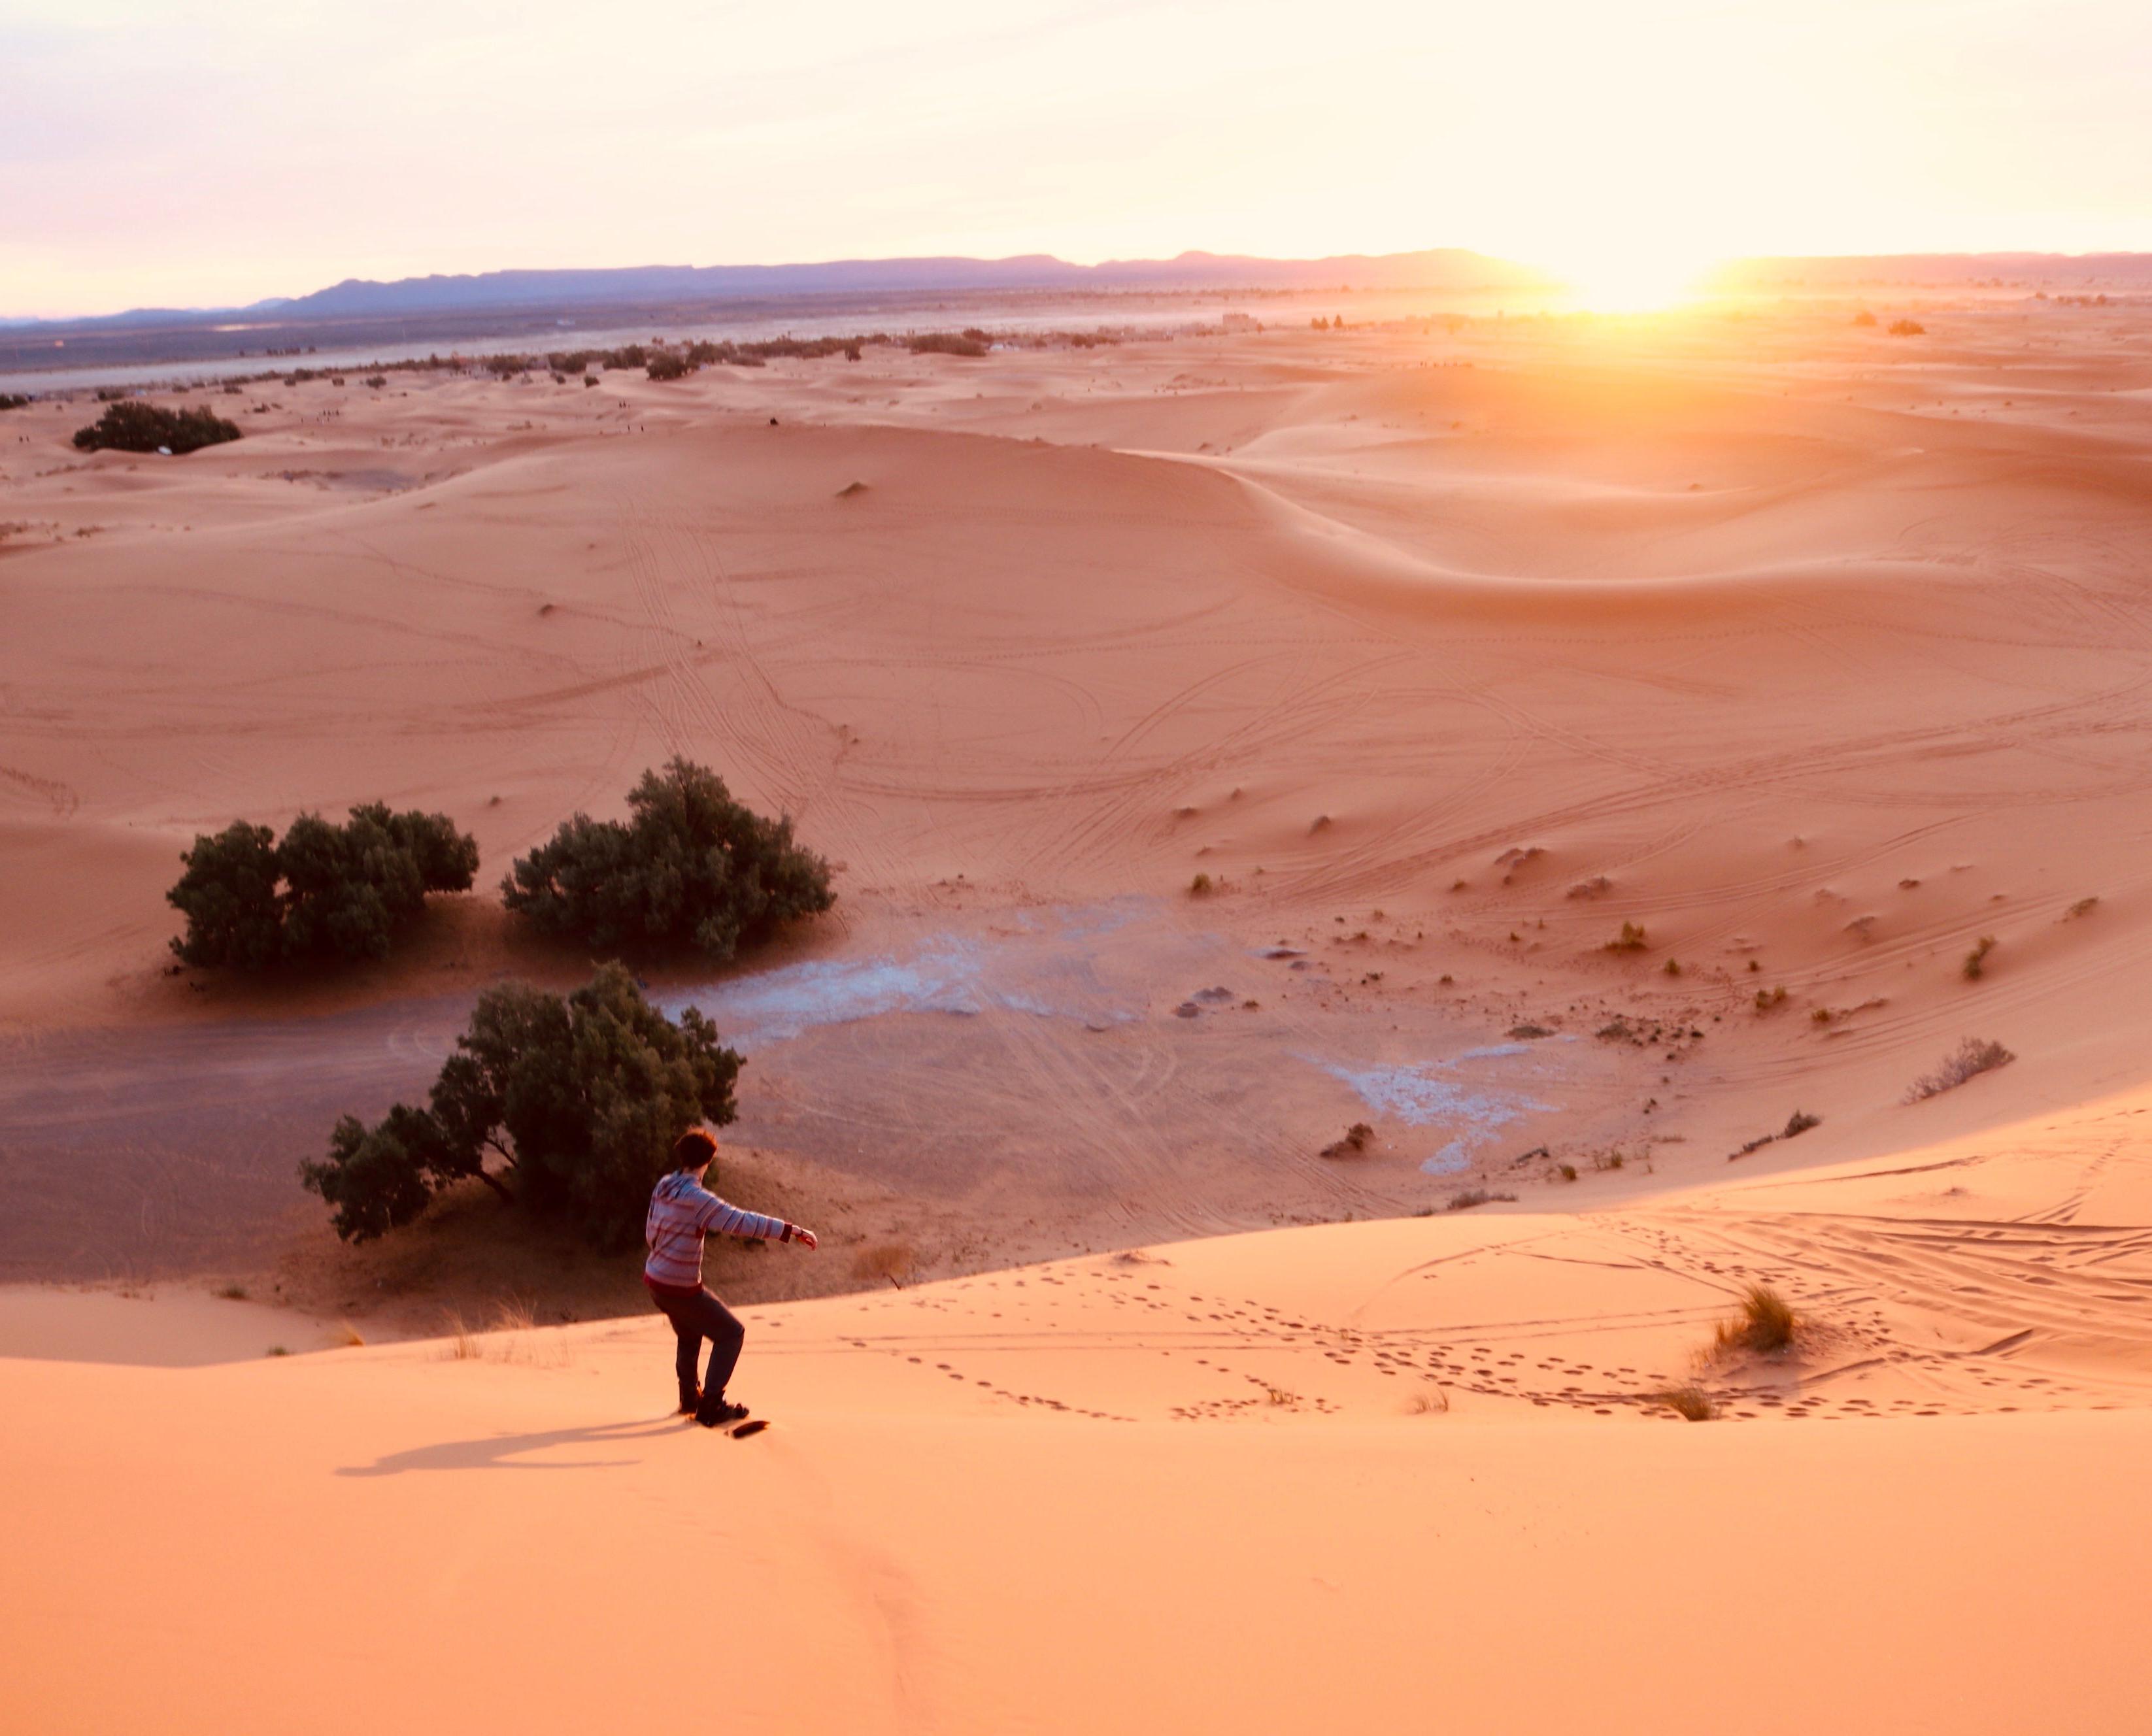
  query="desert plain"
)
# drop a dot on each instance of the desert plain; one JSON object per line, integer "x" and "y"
{"x": 1571, "y": 748}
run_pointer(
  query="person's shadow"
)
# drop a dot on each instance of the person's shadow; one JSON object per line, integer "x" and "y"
{"x": 502, "y": 1452}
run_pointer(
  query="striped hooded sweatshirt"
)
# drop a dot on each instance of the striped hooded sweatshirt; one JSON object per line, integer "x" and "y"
{"x": 682, "y": 1211}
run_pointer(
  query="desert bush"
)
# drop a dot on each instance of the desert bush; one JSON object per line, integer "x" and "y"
{"x": 664, "y": 365}
{"x": 1359, "y": 1137}
{"x": 229, "y": 895}
{"x": 13, "y": 400}
{"x": 375, "y": 381}
{"x": 690, "y": 868}
{"x": 1768, "y": 999}
{"x": 944, "y": 344}
{"x": 1976, "y": 962}
{"x": 325, "y": 891}
{"x": 1864, "y": 318}
{"x": 583, "y": 1096}
{"x": 1630, "y": 939}
{"x": 1974, "y": 1056}
{"x": 1799, "y": 1123}
{"x": 1202, "y": 886}
{"x": 132, "y": 426}
{"x": 1467, "y": 1198}
{"x": 1907, "y": 328}
{"x": 1766, "y": 1323}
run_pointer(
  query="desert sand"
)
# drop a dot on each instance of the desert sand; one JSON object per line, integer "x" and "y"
{"x": 1444, "y": 649}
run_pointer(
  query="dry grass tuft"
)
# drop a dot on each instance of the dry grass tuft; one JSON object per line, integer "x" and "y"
{"x": 1630, "y": 939}
{"x": 1766, "y": 1325}
{"x": 1202, "y": 886}
{"x": 1472, "y": 1196}
{"x": 1430, "y": 1401}
{"x": 513, "y": 1316}
{"x": 463, "y": 1342}
{"x": 889, "y": 1262}
{"x": 1976, "y": 962}
{"x": 352, "y": 1338}
{"x": 1691, "y": 1404}
{"x": 1974, "y": 1056}
{"x": 2082, "y": 907}
{"x": 232, "y": 1292}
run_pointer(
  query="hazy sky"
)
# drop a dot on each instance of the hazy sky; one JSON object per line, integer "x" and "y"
{"x": 179, "y": 152}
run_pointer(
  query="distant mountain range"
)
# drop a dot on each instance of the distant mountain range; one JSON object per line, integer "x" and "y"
{"x": 360, "y": 318}
{"x": 1437, "y": 268}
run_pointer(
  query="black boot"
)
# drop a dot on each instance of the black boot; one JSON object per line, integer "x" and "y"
{"x": 718, "y": 1414}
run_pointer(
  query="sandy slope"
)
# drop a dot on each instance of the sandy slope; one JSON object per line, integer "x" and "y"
{"x": 1816, "y": 654}
{"x": 1200, "y": 1487}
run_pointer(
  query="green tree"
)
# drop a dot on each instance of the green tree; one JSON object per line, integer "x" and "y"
{"x": 351, "y": 886}
{"x": 132, "y": 426}
{"x": 325, "y": 891}
{"x": 582, "y": 1099}
{"x": 690, "y": 868}
{"x": 228, "y": 895}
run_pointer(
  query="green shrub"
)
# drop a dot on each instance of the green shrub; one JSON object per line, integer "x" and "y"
{"x": 13, "y": 400}
{"x": 584, "y": 1096}
{"x": 234, "y": 914}
{"x": 664, "y": 365}
{"x": 690, "y": 868}
{"x": 132, "y": 426}
{"x": 325, "y": 892}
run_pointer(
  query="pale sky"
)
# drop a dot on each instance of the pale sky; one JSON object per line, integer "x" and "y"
{"x": 205, "y": 152}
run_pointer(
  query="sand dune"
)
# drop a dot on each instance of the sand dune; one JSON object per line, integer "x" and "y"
{"x": 1444, "y": 652}
{"x": 1263, "y": 1481}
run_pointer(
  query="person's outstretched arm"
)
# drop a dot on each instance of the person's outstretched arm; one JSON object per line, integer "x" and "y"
{"x": 720, "y": 1217}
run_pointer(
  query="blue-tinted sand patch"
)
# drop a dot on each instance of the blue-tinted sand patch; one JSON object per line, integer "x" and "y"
{"x": 1040, "y": 966}
{"x": 773, "y": 1005}
{"x": 1410, "y": 1093}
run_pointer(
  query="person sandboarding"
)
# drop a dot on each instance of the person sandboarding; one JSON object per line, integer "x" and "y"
{"x": 682, "y": 1211}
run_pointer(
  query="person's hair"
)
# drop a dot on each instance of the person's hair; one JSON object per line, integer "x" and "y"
{"x": 693, "y": 1149}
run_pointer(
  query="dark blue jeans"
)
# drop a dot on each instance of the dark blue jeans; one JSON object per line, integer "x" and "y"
{"x": 697, "y": 1315}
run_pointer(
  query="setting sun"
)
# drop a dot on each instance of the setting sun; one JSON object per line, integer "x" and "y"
{"x": 1054, "y": 865}
{"x": 1631, "y": 282}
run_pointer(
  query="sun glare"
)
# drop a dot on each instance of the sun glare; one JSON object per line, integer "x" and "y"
{"x": 1631, "y": 282}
